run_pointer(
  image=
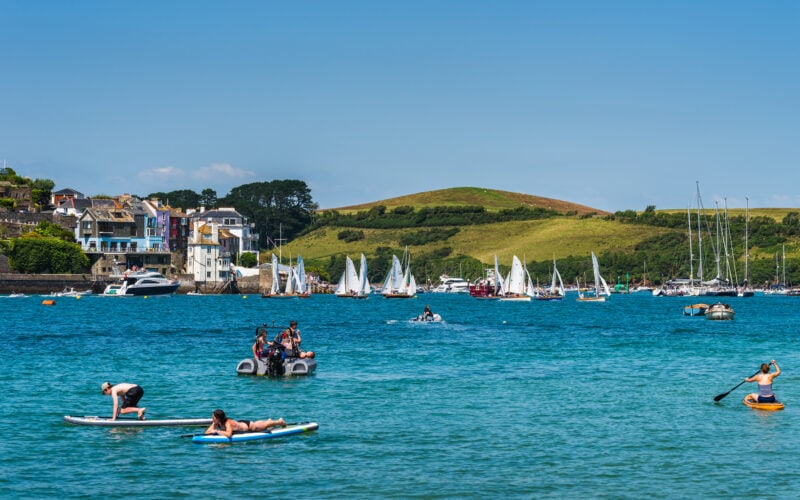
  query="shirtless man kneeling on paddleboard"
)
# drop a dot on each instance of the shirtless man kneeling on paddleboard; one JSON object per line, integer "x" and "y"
{"x": 224, "y": 426}
{"x": 130, "y": 394}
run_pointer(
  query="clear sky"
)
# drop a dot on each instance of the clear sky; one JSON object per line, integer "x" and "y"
{"x": 612, "y": 104}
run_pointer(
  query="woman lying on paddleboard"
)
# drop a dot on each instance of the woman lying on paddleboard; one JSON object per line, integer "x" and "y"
{"x": 764, "y": 379}
{"x": 224, "y": 426}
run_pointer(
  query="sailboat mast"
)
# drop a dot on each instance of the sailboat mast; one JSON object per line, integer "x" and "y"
{"x": 746, "y": 247}
{"x": 730, "y": 255}
{"x": 783, "y": 251}
{"x": 691, "y": 257}
{"x": 699, "y": 238}
{"x": 718, "y": 247}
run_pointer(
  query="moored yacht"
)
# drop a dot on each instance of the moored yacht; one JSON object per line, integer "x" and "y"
{"x": 142, "y": 283}
{"x": 449, "y": 284}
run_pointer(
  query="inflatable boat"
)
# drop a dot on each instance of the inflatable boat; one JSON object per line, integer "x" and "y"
{"x": 271, "y": 367}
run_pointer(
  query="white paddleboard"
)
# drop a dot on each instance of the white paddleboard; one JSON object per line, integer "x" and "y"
{"x": 135, "y": 422}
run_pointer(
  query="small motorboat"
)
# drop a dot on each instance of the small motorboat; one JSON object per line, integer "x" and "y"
{"x": 70, "y": 292}
{"x": 436, "y": 318}
{"x": 272, "y": 367}
{"x": 719, "y": 311}
{"x": 695, "y": 310}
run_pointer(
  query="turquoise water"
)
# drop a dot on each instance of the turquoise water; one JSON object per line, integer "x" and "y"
{"x": 541, "y": 399}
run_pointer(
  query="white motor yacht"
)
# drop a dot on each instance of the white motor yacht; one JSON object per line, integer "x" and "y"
{"x": 142, "y": 283}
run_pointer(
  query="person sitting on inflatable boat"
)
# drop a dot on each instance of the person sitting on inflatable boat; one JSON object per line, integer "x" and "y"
{"x": 427, "y": 314}
{"x": 764, "y": 379}
{"x": 290, "y": 341}
{"x": 261, "y": 342}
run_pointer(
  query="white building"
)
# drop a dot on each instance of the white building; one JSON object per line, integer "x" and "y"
{"x": 230, "y": 220}
{"x": 209, "y": 253}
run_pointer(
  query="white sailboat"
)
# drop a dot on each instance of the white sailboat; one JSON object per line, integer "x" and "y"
{"x": 500, "y": 283}
{"x": 556, "y": 290}
{"x": 349, "y": 285}
{"x": 363, "y": 280}
{"x": 601, "y": 290}
{"x": 301, "y": 287}
{"x": 275, "y": 290}
{"x": 400, "y": 283}
{"x": 516, "y": 289}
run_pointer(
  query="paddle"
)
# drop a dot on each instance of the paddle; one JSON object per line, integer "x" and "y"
{"x": 240, "y": 432}
{"x": 720, "y": 396}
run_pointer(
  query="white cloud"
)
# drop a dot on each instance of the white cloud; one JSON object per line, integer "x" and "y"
{"x": 169, "y": 178}
{"x": 217, "y": 170}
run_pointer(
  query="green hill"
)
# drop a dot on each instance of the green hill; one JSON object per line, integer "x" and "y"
{"x": 491, "y": 199}
{"x": 568, "y": 232}
{"x": 536, "y": 229}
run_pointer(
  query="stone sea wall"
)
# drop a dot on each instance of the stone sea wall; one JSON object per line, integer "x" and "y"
{"x": 46, "y": 283}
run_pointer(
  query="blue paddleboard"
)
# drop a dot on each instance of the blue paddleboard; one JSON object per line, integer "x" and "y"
{"x": 252, "y": 436}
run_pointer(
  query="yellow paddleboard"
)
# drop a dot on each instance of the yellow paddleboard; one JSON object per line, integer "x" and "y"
{"x": 762, "y": 406}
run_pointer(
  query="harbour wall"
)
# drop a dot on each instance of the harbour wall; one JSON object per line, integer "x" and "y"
{"x": 31, "y": 284}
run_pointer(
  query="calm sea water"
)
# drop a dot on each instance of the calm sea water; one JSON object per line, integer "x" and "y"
{"x": 541, "y": 399}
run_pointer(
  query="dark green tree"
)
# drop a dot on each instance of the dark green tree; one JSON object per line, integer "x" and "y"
{"x": 279, "y": 209}
{"x": 33, "y": 253}
{"x": 41, "y": 190}
{"x": 248, "y": 259}
{"x": 183, "y": 198}
{"x": 208, "y": 198}
{"x": 49, "y": 230}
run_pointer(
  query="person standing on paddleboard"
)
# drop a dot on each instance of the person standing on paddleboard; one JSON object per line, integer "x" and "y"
{"x": 764, "y": 379}
{"x": 130, "y": 395}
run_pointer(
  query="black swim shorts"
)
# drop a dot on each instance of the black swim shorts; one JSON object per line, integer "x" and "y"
{"x": 132, "y": 397}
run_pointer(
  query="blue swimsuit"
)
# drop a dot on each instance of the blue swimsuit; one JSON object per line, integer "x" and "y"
{"x": 765, "y": 394}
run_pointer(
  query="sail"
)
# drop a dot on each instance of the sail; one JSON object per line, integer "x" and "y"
{"x": 362, "y": 277}
{"x": 300, "y": 276}
{"x": 516, "y": 278}
{"x": 556, "y": 290}
{"x": 403, "y": 288}
{"x": 499, "y": 288}
{"x": 276, "y": 283}
{"x": 341, "y": 287}
{"x": 596, "y": 269}
{"x": 530, "y": 291}
{"x": 412, "y": 285}
{"x": 353, "y": 283}
{"x": 598, "y": 279}
{"x": 606, "y": 291}
{"x": 289, "y": 290}
{"x": 394, "y": 280}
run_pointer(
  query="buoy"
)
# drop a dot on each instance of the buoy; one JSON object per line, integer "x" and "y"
{"x": 244, "y": 296}
{"x": 49, "y": 302}
{"x": 77, "y": 297}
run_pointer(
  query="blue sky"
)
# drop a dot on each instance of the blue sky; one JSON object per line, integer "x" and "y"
{"x": 616, "y": 105}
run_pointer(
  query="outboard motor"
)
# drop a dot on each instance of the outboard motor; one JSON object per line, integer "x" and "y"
{"x": 274, "y": 362}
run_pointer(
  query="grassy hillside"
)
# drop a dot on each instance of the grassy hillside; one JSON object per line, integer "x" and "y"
{"x": 491, "y": 199}
{"x": 537, "y": 240}
{"x": 776, "y": 214}
{"x": 623, "y": 247}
